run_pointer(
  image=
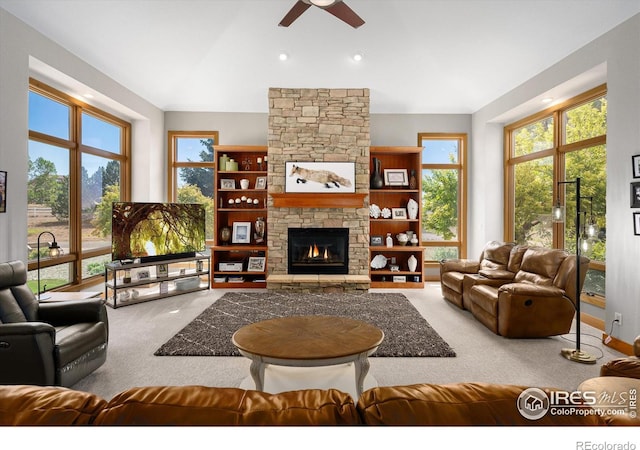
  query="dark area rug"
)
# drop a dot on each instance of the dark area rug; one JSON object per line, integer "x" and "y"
{"x": 406, "y": 332}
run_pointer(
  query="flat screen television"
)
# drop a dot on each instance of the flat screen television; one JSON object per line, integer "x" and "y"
{"x": 156, "y": 231}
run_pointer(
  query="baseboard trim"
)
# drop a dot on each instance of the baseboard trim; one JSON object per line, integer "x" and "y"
{"x": 617, "y": 344}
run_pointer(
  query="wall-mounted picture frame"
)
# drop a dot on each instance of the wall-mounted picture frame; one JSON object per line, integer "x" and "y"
{"x": 398, "y": 213}
{"x": 635, "y": 195}
{"x": 320, "y": 177}
{"x": 376, "y": 240}
{"x": 261, "y": 182}
{"x": 396, "y": 177}
{"x": 3, "y": 191}
{"x": 636, "y": 223}
{"x": 635, "y": 164}
{"x": 241, "y": 233}
{"x": 256, "y": 264}
{"x": 227, "y": 183}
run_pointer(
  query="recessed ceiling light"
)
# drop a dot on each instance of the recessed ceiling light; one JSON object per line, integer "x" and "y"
{"x": 547, "y": 100}
{"x": 88, "y": 95}
{"x": 357, "y": 56}
{"x": 283, "y": 56}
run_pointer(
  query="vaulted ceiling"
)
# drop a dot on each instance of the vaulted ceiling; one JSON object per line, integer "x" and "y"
{"x": 419, "y": 56}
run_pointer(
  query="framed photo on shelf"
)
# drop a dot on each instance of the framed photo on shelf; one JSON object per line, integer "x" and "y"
{"x": 143, "y": 274}
{"x": 635, "y": 163}
{"x": 256, "y": 264}
{"x": 398, "y": 213}
{"x": 320, "y": 177}
{"x": 241, "y": 233}
{"x": 162, "y": 270}
{"x": 396, "y": 177}
{"x": 376, "y": 240}
{"x": 227, "y": 183}
{"x": 636, "y": 223}
{"x": 261, "y": 182}
{"x": 635, "y": 195}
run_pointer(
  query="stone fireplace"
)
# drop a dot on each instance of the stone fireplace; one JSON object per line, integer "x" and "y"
{"x": 318, "y": 125}
{"x": 318, "y": 251}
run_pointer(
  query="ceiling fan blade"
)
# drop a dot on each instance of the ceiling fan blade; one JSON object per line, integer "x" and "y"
{"x": 346, "y": 14}
{"x": 294, "y": 13}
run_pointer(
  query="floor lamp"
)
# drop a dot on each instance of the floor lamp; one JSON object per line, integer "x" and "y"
{"x": 574, "y": 354}
{"x": 54, "y": 251}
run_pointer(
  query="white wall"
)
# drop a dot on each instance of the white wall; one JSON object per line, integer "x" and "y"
{"x": 619, "y": 49}
{"x": 19, "y": 43}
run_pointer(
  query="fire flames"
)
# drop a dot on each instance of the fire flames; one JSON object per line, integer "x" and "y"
{"x": 314, "y": 252}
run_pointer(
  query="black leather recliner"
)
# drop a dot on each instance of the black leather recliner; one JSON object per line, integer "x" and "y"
{"x": 47, "y": 343}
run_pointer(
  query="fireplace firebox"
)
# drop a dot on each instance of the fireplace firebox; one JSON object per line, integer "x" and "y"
{"x": 318, "y": 251}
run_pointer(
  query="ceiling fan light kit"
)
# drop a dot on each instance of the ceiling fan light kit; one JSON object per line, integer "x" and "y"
{"x": 322, "y": 2}
{"x": 336, "y": 7}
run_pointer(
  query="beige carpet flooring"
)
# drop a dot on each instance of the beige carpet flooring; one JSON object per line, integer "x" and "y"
{"x": 136, "y": 331}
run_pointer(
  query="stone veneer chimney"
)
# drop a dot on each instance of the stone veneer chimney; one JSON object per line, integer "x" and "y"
{"x": 318, "y": 125}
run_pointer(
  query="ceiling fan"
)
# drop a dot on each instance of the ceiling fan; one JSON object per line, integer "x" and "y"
{"x": 336, "y": 7}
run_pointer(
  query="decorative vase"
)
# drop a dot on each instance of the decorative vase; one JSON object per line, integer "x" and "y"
{"x": 260, "y": 228}
{"x": 412, "y": 262}
{"x": 244, "y": 184}
{"x": 414, "y": 240}
{"x": 225, "y": 235}
{"x": 412, "y": 209}
{"x": 413, "y": 183}
{"x": 376, "y": 181}
{"x": 389, "y": 240}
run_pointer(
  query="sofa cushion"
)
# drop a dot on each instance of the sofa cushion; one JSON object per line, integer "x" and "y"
{"x": 622, "y": 367}
{"x": 453, "y": 280}
{"x": 539, "y": 266}
{"x": 515, "y": 258}
{"x": 495, "y": 256}
{"x": 201, "y": 405}
{"x": 454, "y": 404}
{"x": 37, "y": 405}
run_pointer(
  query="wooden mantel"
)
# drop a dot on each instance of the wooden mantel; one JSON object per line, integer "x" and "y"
{"x": 317, "y": 200}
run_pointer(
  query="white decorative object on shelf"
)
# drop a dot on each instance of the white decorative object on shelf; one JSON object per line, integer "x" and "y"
{"x": 403, "y": 238}
{"x": 386, "y": 213}
{"x": 412, "y": 209}
{"x": 374, "y": 211}
{"x": 412, "y": 262}
{"x": 378, "y": 262}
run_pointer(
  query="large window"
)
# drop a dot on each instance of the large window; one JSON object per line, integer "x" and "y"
{"x": 78, "y": 165}
{"x": 560, "y": 144}
{"x": 192, "y": 169}
{"x": 443, "y": 197}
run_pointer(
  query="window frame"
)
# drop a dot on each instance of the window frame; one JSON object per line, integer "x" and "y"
{"x": 76, "y": 149}
{"x": 173, "y": 165}
{"x": 461, "y": 166}
{"x": 558, "y": 153}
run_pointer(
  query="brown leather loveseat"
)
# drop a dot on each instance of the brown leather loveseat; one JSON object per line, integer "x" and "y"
{"x": 420, "y": 404}
{"x": 516, "y": 291}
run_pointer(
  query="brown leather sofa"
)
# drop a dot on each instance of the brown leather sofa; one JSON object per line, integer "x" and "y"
{"x": 420, "y": 404}
{"x": 47, "y": 343}
{"x": 540, "y": 300}
{"x": 495, "y": 267}
{"x": 618, "y": 382}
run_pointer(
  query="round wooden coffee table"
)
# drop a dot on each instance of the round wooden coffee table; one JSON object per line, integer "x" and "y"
{"x": 308, "y": 341}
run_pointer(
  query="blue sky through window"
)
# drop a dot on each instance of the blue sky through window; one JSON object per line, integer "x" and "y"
{"x": 50, "y": 117}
